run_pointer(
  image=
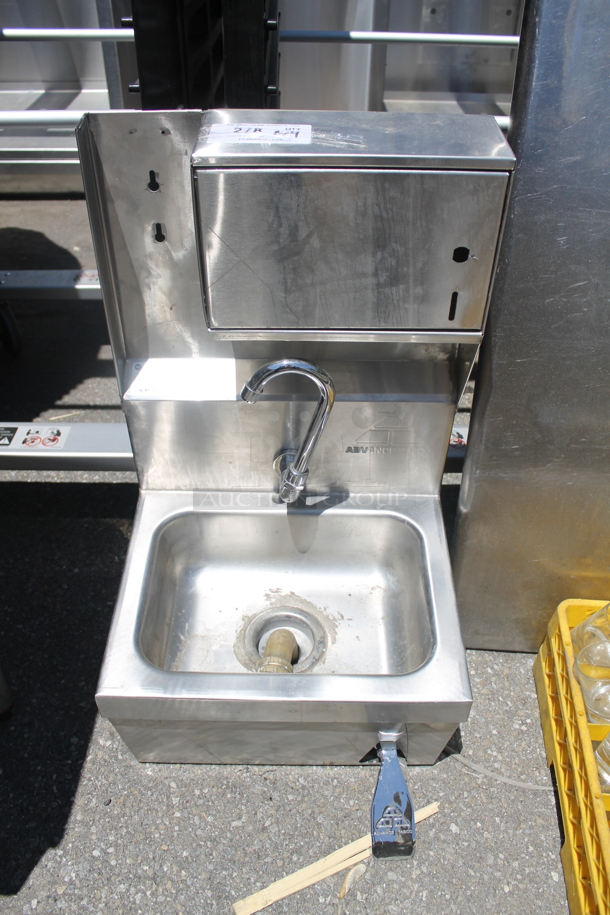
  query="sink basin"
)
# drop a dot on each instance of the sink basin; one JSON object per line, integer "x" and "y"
{"x": 365, "y": 584}
{"x": 359, "y": 574}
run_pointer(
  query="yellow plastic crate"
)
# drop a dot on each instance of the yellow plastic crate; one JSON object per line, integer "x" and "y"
{"x": 568, "y": 741}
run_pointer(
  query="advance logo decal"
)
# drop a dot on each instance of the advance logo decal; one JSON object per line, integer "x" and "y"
{"x": 387, "y": 436}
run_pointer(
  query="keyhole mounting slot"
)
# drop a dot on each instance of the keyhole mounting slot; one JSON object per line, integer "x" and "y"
{"x": 153, "y": 185}
{"x": 159, "y": 233}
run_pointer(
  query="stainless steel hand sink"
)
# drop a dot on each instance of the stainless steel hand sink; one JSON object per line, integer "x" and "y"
{"x": 364, "y": 583}
{"x": 365, "y": 268}
{"x": 359, "y": 575}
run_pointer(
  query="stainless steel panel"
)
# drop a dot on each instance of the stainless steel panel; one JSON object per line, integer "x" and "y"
{"x": 68, "y": 34}
{"x": 376, "y": 340}
{"x": 375, "y": 37}
{"x": 50, "y": 284}
{"x": 333, "y": 77}
{"x": 272, "y": 744}
{"x": 51, "y": 65}
{"x": 427, "y": 71}
{"x": 37, "y": 146}
{"x": 368, "y": 447}
{"x": 151, "y": 289}
{"x": 348, "y": 249}
{"x": 154, "y": 307}
{"x": 360, "y": 140}
{"x": 388, "y": 431}
{"x": 534, "y": 526}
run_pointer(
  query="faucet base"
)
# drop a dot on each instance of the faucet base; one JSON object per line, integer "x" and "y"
{"x": 292, "y": 482}
{"x": 292, "y": 485}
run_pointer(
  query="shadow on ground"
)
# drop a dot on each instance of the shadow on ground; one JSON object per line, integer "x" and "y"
{"x": 25, "y": 249}
{"x": 60, "y": 340}
{"x": 62, "y": 550}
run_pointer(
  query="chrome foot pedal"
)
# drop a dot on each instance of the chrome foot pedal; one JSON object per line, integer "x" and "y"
{"x": 392, "y": 822}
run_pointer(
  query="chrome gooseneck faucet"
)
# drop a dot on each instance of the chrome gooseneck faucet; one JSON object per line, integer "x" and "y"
{"x": 294, "y": 477}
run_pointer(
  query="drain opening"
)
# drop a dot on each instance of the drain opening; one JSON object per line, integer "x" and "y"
{"x": 299, "y": 633}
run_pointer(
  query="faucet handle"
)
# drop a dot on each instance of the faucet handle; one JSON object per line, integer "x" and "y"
{"x": 392, "y": 818}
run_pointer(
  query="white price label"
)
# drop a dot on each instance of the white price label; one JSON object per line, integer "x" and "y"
{"x": 260, "y": 133}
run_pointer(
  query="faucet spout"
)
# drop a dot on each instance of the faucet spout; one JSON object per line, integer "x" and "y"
{"x": 294, "y": 476}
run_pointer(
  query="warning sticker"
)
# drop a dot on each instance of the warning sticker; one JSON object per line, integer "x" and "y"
{"x": 7, "y": 434}
{"x": 34, "y": 438}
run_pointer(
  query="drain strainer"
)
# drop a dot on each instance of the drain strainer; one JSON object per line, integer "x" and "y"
{"x": 306, "y": 628}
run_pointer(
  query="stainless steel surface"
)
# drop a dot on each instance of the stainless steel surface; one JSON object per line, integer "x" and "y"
{"x": 397, "y": 243}
{"x": 318, "y": 35}
{"x": 201, "y": 564}
{"x": 370, "y": 445}
{"x": 473, "y": 103}
{"x": 106, "y": 446}
{"x": 42, "y": 78}
{"x": 65, "y": 34}
{"x": 88, "y": 446}
{"x": 339, "y": 74}
{"x": 115, "y": 75}
{"x": 50, "y": 284}
{"x": 151, "y": 290}
{"x": 383, "y": 243}
{"x": 363, "y": 139}
{"x": 39, "y": 118}
{"x": 533, "y": 523}
{"x": 294, "y": 475}
{"x": 287, "y": 35}
{"x": 361, "y": 574}
{"x": 395, "y": 400}
{"x": 358, "y": 338}
{"x": 50, "y": 65}
{"x": 465, "y": 74}
{"x": 338, "y": 77}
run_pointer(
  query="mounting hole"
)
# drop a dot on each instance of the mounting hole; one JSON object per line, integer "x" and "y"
{"x": 153, "y": 184}
{"x": 461, "y": 255}
{"x": 159, "y": 233}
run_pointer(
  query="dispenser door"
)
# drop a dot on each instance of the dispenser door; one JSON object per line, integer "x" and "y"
{"x": 347, "y": 249}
